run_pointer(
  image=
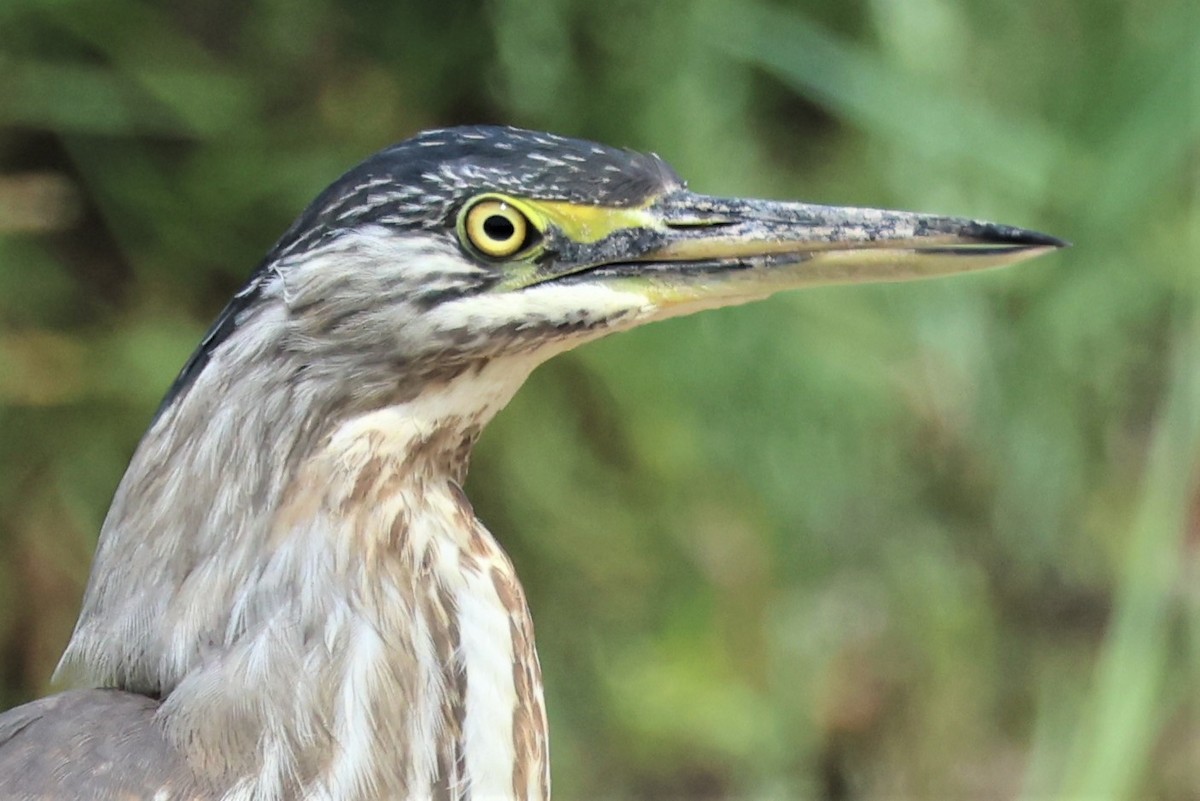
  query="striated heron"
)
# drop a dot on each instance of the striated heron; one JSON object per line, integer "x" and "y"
{"x": 291, "y": 597}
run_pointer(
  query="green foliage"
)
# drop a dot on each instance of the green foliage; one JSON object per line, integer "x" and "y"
{"x": 922, "y": 541}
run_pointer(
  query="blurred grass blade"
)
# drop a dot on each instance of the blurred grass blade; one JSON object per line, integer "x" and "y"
{"x": 83, "y": 99}
{"x": 1127, "y": 707}
{"x": 101, "y": 100}
{"x": 1155, "y": 135}
{"x": 878, "y": 96}
{"x": 155, "y": 78}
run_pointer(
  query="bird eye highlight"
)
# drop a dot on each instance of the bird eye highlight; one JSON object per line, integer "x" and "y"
{"x": 496, "y": 228}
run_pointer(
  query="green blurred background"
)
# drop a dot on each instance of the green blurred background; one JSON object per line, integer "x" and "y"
{"x": 926, "y": 541}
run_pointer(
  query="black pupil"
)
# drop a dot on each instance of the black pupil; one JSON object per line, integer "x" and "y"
{"x": 499, "y": 228}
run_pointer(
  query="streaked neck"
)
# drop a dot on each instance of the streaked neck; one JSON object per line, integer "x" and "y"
{"x": 359, "y": 635}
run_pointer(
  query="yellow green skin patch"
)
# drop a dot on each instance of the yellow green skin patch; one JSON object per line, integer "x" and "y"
{"x": 589, "y": 224}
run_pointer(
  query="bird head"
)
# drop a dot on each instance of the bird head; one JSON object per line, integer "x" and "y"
{"x": 461, "y": 246}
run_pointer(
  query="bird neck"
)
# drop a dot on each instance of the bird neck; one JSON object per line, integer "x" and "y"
{"x": 351, "y": 632}
{"x": 428, "y": 683}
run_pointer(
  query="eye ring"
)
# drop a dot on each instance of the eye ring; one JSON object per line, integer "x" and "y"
{"x": 495, "y": 228}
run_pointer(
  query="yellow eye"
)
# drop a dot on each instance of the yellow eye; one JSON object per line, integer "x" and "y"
{"x": 495, "y": 228}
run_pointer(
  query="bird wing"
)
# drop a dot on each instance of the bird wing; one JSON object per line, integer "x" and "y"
{"x": 91, "y": 745}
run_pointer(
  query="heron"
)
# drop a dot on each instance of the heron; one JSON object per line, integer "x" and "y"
{"x": 291, "y": 597}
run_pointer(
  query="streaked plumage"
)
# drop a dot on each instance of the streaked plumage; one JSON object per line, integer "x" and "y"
{"x": 291, "y": 594}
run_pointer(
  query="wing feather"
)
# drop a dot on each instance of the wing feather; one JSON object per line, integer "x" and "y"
{"x": 92, "y": 745}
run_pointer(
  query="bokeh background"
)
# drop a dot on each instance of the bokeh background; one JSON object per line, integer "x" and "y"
{"x": 924, "y": 541}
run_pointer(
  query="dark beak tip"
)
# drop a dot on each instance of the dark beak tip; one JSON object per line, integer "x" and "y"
{"x": 1021, "y": 237}
{"x": 1040, "y": 240}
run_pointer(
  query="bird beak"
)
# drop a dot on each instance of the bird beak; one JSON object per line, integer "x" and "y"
{"x": 699, "y": 251}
